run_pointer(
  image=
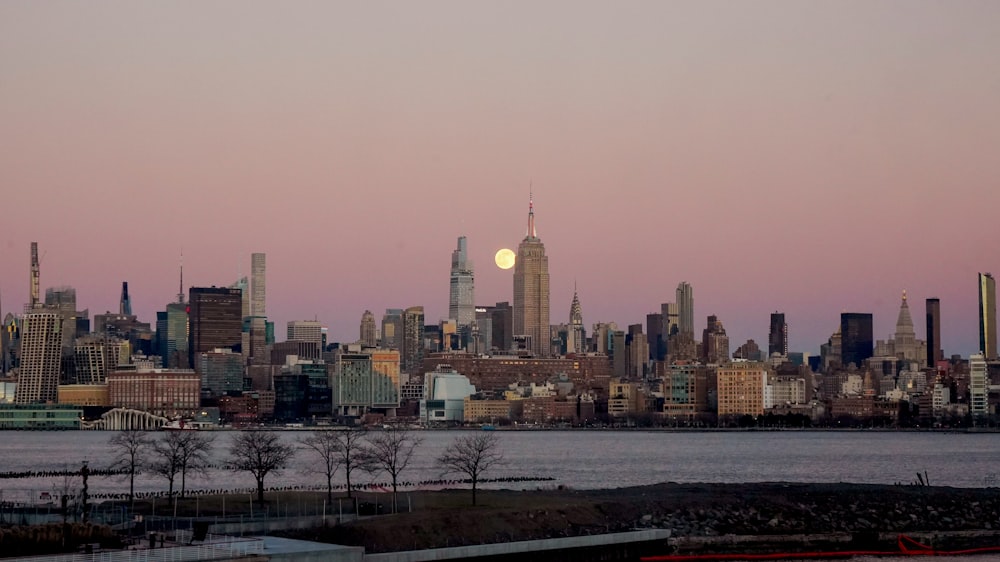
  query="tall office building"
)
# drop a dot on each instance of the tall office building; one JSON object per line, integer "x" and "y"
{"x": 392, "y": 328}
{"x": 654, "y": 337}
{"x": 125, "y": 304}
{"x": 531, "y": 290}
{"x": 671, "y": 319}
{"x": 502, "y": 317}
{"x": 368, "y": 336}
{"x": 777, "y": 340}
{"x": 905, "y": 339}
{"x": 987, "y": 316}
{"x": 258, "y": 285}
{"x": 310, "y": 331}
{"x": 41, "y": 357}
{"x": 576, "y": 336}
{"x": 856, "y": 338}
{"x": 215, "y": 320}
{"x": 685, "y": 308}
{"x": 412, "y": 348}
{"x": 172, "y": 336}
{"x": 934, "y": 351}
{"x": 461, "y": 297}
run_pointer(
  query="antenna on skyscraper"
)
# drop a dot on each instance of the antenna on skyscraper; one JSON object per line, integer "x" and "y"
{"x": 180, "y": 292}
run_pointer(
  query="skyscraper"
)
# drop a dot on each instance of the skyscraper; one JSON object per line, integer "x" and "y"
{"x": 215, "y": 320}
{"x": 258, "y": 285}
{"x": 172, "y": 336}
{"x": 502, "y": 317}
{"x": 904, "y": 339}
{"x": 461, "y": 307}
{"x": 368, "y": 338}
{"x": 125, "y": 305}
{"x": 304, "y": 330}
{"x": 655, "y": 338}
{"x": 531, "y": 290}
{"x": 576, "y": 337}
{"x": 856, "y": 338}
{"x": 392, "y": 328}
{"x": 413, "y": 339}
{"x": 685, "y": 308}
{"x": 41, "y": 357}
{"x": 987, "y": 316}
{"x": 777, "y": 340}
{"x": 934, "y": 352}
{"x": 34, "y": 289}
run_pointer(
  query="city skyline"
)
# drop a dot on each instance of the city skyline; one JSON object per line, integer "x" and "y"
{"x": 807, "y": 158}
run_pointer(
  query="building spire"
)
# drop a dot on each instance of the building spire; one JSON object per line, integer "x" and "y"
{"x": 180, "y": 291}
{"x": 531, "y": 215}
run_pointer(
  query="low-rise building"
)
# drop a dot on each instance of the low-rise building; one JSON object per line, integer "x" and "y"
{"x": 84, "y": 394}
{"x": 169, "y": 393}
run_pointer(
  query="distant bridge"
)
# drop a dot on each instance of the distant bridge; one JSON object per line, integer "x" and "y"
{"x": 126, "y": 418}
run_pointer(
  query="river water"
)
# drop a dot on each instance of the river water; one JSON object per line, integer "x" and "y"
{"x": 579, "y": 459}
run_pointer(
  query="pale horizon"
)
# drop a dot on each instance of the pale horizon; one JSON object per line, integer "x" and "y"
{"x": 807, "y": 158}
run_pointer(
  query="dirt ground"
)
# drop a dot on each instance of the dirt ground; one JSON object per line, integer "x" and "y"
{"x": 446, "y": 518}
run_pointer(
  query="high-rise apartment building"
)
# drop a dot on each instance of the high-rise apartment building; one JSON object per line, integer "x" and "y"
{"x": 41, "y": 356}
{"x": 392, "y": 328}
{"x": 531, "y": 290}
{"x": 221, "y": 371}
{"x": 685, "y": 308}
{"x": 258, "y": 285}
{"x": 368, "y": 336}
{"x": 856, "y": 338}
{"x": 988, "y": 316}
{"x": 978, "y": 385}
{"x": 742, "y": 389}
{"x": 34, "y": 287}
{"x": 412, "y": 348}
{"x": 777, "y": 339}
{"x": 714, "y": 342}
{"x": 461, "y": 297}
{"x": 215, "y": 320}
{"x": 96, "y": 356}
{"x": 934, "y": 351}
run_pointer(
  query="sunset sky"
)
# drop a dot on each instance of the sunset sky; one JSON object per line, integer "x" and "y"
{"x": 808, "y": 157}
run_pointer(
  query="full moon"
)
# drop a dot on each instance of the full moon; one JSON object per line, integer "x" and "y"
{"x": 505, "y": 259}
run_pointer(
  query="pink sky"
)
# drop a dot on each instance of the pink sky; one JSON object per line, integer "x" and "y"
{"x": 808, "y": 157}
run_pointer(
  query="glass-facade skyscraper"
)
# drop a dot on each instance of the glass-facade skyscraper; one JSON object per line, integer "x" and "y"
{"x": 461, "y": 296}
{"x": 988, "y": 316}
{"x": 857, "y": 339}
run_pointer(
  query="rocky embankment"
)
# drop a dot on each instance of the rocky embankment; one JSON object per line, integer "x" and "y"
{"x": 687, "y": 510}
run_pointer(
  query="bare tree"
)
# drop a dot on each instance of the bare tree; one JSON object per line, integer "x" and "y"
{"x": 167, "y": 458}
{"x": 472, "y": 455}
{"x": 130, "y": 447}
{"x": 324, "y": 445}
{"x": 350, "y": 451}
{"x": 194, "y": 451}
{"x": 260, "y": 453}
{"x": 390, "y": 451}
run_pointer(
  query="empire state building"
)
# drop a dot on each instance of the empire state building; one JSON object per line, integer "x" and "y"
{"x": 531, "y": 290}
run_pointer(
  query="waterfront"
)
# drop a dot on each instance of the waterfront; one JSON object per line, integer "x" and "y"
{"x": 582, "y": 459}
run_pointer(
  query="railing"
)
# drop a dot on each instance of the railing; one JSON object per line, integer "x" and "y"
{"x": 215, "y": 547}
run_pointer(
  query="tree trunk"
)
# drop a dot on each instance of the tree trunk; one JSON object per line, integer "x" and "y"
{"x": 348, "y": 483}
{"x": 394, "y": 493}
{"x": 183, "y": 482}
{"x": 131, "y": 484}
{"x": 474, "y": 480}
{"x": 260, "y": 491}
